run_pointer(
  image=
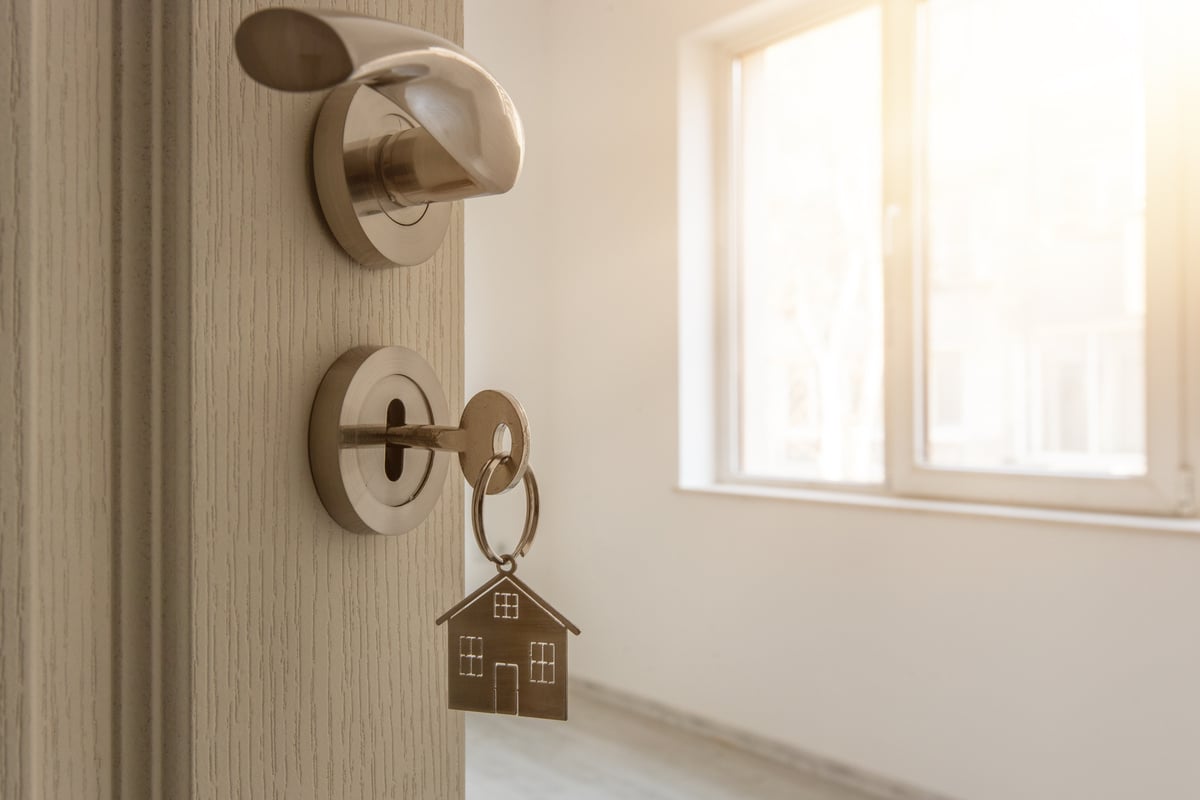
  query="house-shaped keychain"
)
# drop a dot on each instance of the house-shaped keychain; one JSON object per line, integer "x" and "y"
{"x": 508, "y": 652}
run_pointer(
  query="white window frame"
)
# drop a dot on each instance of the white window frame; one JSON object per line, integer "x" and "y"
{"x": 709, "y": 273}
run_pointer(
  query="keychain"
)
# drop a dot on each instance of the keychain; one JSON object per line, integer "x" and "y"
{"x": 507, "y": 646}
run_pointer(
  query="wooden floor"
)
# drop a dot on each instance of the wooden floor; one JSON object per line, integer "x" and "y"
{"x": 604, "y": 753}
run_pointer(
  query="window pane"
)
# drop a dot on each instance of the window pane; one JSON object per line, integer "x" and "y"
{"x": 810, "y": 311}
{"x": 1033, "y": 244}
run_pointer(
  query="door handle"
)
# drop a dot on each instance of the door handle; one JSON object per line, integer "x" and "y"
{"x": 412, "y": 124}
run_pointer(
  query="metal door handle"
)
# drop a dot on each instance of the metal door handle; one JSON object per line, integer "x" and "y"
{"x": 415, "y": 123}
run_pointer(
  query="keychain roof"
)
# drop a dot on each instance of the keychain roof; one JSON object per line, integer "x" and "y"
{"x": 519, "y": 585}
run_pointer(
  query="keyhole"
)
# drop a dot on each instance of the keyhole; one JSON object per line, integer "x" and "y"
{"x": 393, "y": 454}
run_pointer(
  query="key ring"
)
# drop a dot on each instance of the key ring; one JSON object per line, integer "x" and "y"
{"x": 479, "y": 491}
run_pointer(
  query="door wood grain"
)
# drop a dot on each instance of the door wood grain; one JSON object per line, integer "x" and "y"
{"x": 57, "y": 544}
{"x": 317, "y": 670}
{"x": 179, "y": 615}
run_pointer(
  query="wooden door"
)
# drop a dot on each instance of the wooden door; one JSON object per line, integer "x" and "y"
{"x": 180, "y": 617}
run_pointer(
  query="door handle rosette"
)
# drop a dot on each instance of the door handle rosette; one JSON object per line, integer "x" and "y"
{"x": 412, "y": 124}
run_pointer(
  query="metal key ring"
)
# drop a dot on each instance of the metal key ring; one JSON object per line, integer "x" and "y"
{"x": 479, "y": 491}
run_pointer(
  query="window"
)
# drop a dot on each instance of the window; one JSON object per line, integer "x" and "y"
{"x": 541, "y": 662}
{"x": 470, "y": 656}
{"x": 948, "y": 251}
{"x": 505, "y": 605}
{"x": 1032, "y": 252}
{"x": 809, "y": 316}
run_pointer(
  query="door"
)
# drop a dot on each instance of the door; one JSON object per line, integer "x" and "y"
{"x": 180, "y": 616}
{"x": 506, "y": 690}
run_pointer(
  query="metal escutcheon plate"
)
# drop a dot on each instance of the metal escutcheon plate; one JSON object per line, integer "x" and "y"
{"x": 353, "y": 123}
{"x": 352, "y": 482}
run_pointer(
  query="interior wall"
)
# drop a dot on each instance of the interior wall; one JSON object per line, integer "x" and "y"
{"x": 507, "y": 255}
{"x": 983, "y": 658}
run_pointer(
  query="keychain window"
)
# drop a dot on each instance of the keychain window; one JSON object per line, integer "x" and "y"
{"x": 470, "y": 656}
{"x": 541, "y": 662}
{"x": 506, "y": 605}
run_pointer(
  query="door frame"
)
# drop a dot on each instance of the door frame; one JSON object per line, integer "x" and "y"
{"x": 95, "y": 344}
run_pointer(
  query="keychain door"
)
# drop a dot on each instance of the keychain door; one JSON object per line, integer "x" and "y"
{"x": 506, "y": 689}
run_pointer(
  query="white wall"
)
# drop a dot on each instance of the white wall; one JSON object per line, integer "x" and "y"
{"x": 507, "y": 250}
{"x": 988, "y": 659}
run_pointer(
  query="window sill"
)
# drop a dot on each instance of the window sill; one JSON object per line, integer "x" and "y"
{"x": 914, "y": 505}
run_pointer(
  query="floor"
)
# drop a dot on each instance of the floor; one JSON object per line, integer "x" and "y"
{"x": 604, "y": 753}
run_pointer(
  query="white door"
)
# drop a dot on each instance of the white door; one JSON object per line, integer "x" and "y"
{"x": 180, "y": 618}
